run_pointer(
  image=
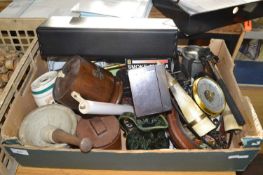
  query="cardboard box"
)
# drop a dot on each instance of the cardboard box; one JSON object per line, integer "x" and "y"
{"x": 235, "y": 159}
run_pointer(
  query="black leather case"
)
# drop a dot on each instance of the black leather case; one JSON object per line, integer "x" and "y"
{"x": 111, "y": 38}
{"x": 191, "y": 22}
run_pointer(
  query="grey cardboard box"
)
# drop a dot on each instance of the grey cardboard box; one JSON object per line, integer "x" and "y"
{"x": 236, "y": 158}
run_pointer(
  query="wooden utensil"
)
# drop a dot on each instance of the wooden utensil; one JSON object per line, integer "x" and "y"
{"x": 60, "y": 136}
{"x": 52, "y": 126}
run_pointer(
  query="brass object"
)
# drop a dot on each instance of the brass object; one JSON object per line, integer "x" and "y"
{"x": 114, "y": 66}
{"x": 210, "y": 98}
{"x": 193, "y": 115}
{"x": 230, "y": 123}
{"x": 211, "y": 60}
{"x": 177, "y": 133}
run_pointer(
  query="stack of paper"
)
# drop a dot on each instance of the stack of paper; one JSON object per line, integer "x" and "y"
{"x": 38, "y": 8}
{"x": 48, "y": 8}
{"x": 16, "y": 8}
{"x": 115, "y": 8}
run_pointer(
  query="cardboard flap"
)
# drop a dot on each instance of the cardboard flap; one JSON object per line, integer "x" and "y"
{"x": 23, "y": 103}
{"x": 226, "y": 66}
{"x": 256, "y": 123}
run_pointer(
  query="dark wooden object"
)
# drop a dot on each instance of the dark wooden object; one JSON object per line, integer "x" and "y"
{"x": 91, "y": 81}
{"x": 104, "y": 132}
{"x": 149, "y": 90}
{"x": 60, "y": 136}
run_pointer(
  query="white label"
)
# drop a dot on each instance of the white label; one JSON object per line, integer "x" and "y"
{"x": 19, "y": 151}
{"x": 256, "y": 143}
{"x": 238, "y": 156}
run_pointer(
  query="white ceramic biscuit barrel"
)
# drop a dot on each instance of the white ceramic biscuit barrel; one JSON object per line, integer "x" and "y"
{"x": 42, "y": 88}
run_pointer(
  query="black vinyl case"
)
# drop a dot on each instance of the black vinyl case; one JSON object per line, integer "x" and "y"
{"x": 108, "y": 37}
{"x": 195, "y": 17}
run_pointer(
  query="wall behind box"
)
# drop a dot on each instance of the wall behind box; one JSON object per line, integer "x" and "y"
{"x": 168, "y": 160}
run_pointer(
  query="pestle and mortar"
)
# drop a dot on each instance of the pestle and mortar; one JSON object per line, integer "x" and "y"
{"x": 92, "y": 131}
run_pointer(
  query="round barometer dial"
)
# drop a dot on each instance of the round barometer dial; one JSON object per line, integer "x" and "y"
{"x": 208, "y": 96}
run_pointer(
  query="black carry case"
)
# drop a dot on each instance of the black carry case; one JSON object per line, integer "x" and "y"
{"x": 111, "y": 38}
{"x": 195, "y": 17}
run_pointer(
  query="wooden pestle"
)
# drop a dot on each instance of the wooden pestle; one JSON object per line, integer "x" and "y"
{"x": 60, "y": 136}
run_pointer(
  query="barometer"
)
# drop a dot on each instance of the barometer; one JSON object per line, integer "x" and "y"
{"x": 208, "y": 96}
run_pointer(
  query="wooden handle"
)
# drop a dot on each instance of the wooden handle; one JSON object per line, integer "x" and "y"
{"x": 60, "y": 136}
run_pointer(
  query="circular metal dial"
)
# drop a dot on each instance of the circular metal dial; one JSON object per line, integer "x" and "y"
{"x": 208, "y": 95}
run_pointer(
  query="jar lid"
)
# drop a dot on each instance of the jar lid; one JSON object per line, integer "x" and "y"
{"x": 44, "y": 82}
{"x": 103, "y": 131}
